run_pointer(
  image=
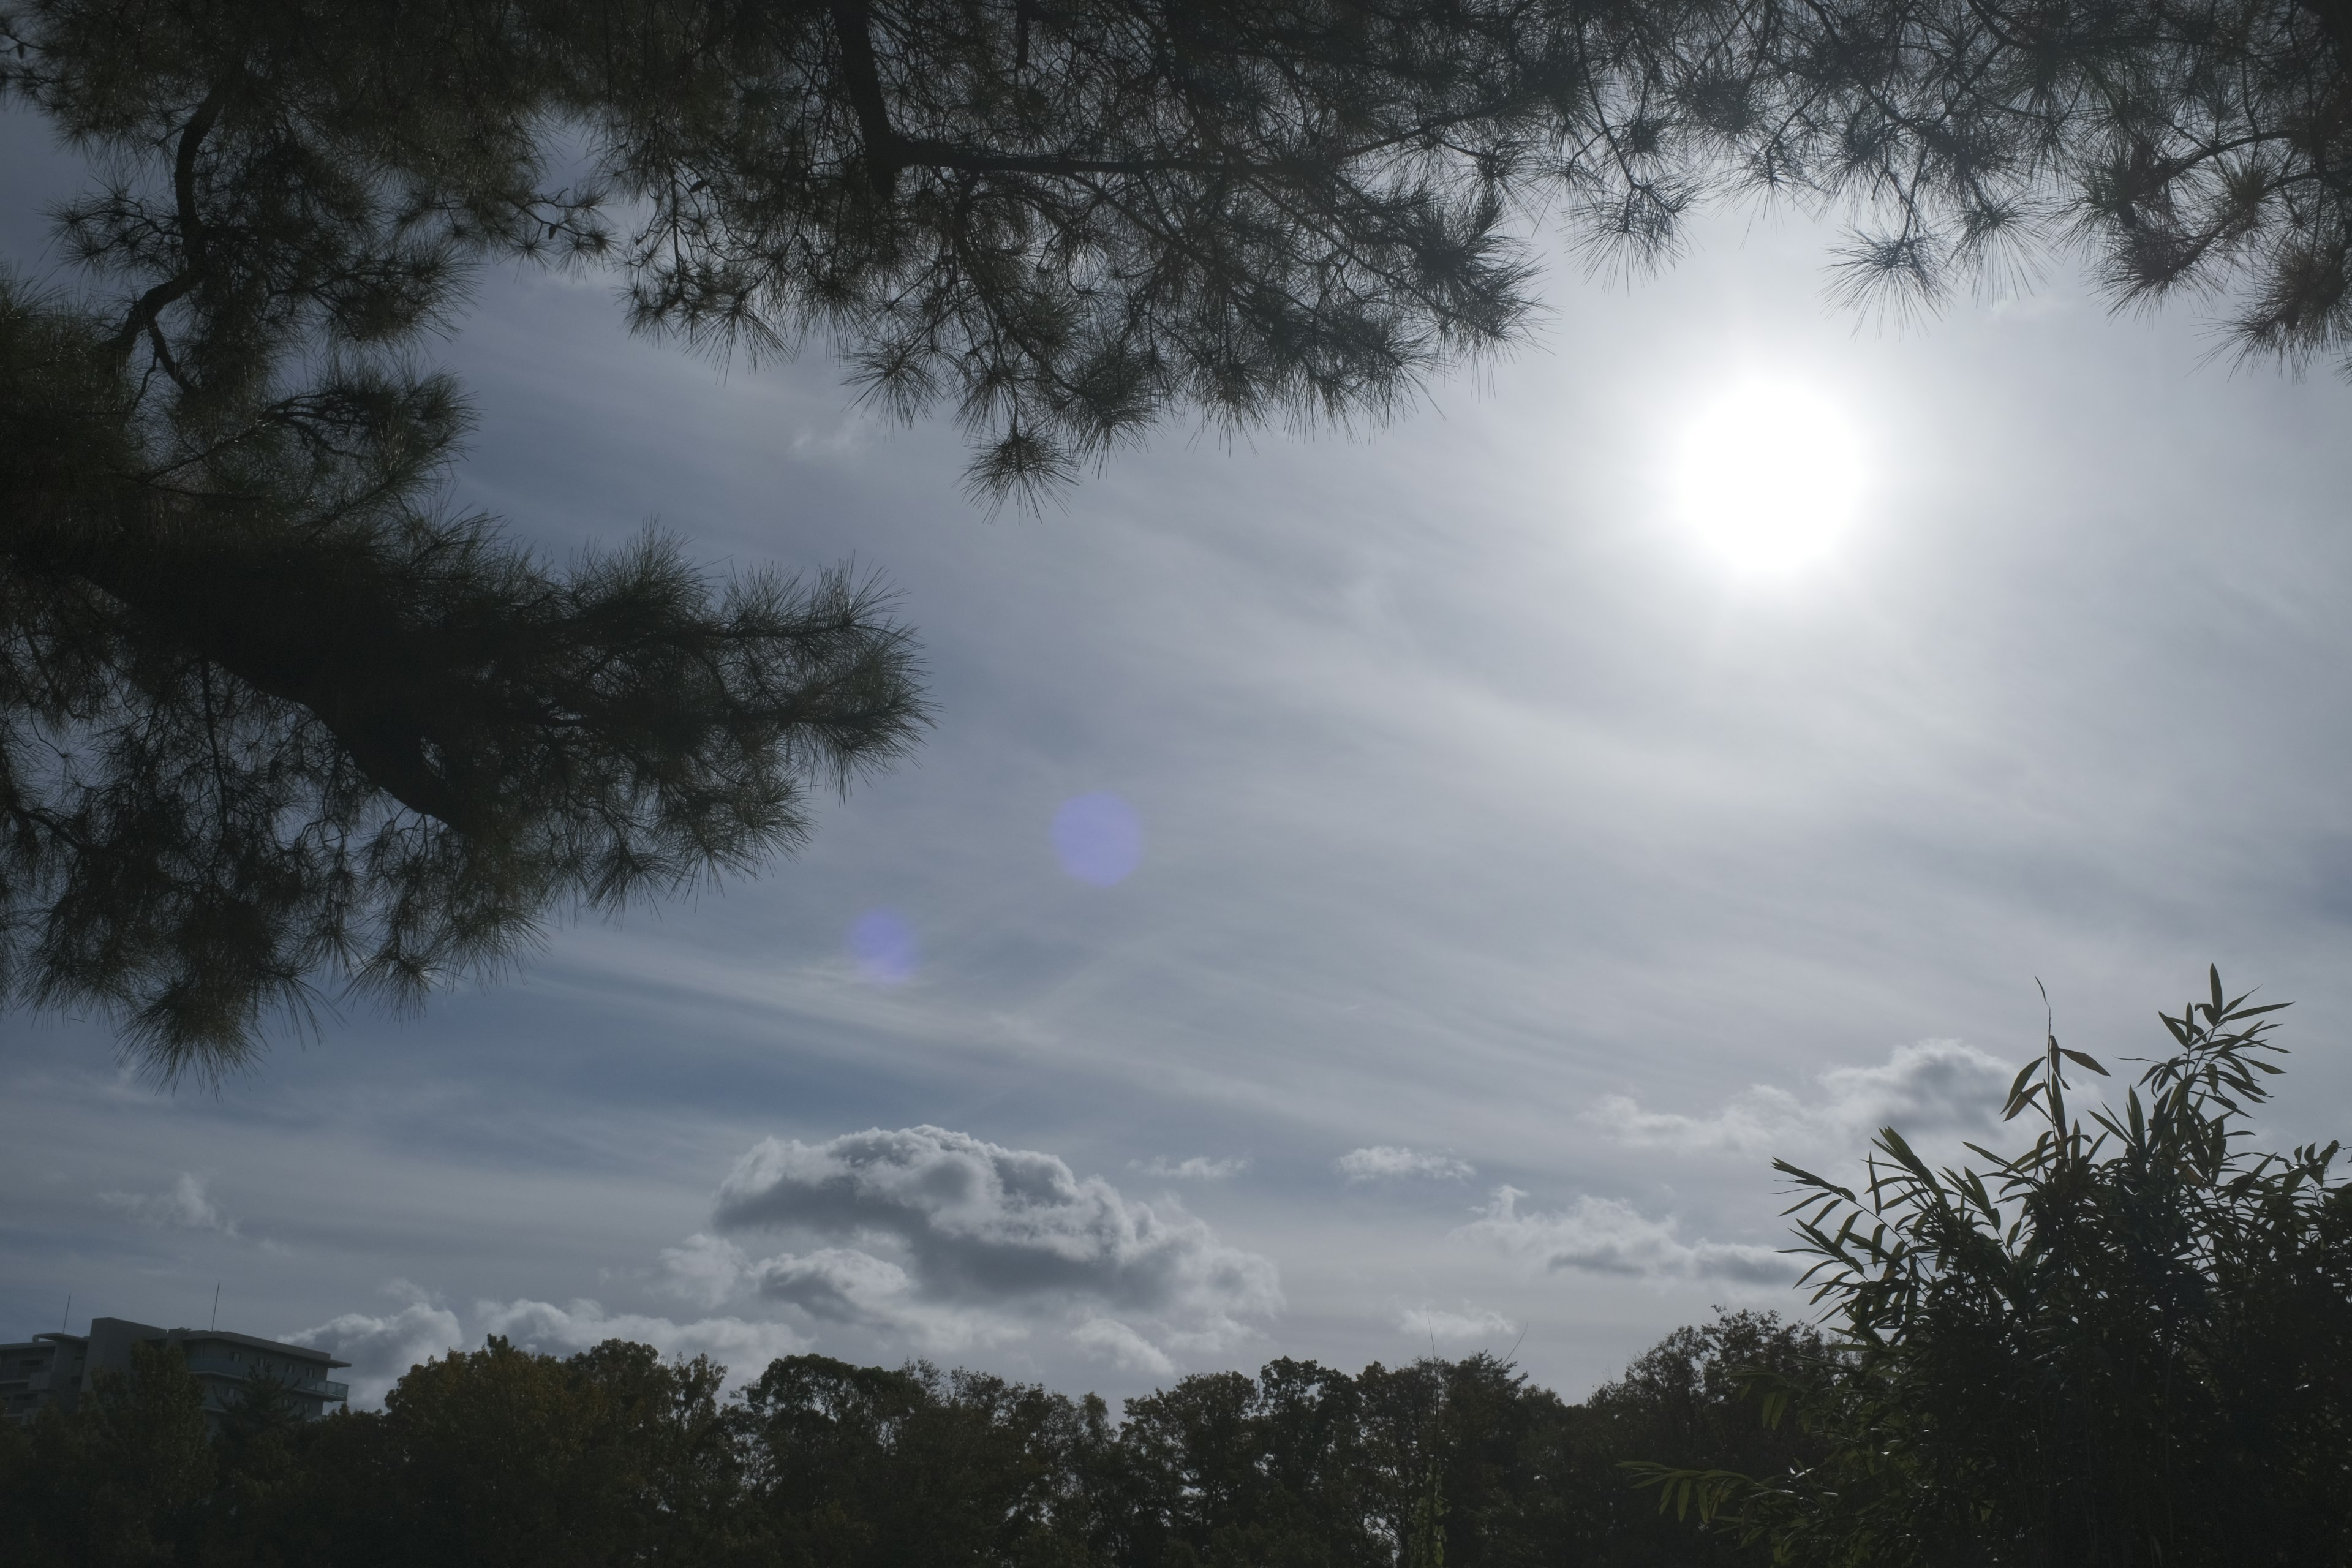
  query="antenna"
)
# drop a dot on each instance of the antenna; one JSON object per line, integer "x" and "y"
{"x": 67, "y": 1319}
{"x": 215, "y": 1322}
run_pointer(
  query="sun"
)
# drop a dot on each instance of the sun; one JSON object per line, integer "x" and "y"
{"x": 1768, "y": 478}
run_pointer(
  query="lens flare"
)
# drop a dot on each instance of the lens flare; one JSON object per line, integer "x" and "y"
{"x": 1098, "y": 838}
{"x": 882, "y": 944}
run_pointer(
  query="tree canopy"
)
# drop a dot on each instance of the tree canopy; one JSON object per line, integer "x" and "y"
{"x": 268, "y": 713}
{"x": 507, "y": 1459}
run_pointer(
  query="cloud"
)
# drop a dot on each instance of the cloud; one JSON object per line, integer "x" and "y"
{"x": 744, "y": 1346}
{"x": 1369, "y": 1164}
{"x": 1469, "y": 1323}
{"x": 1601, "y": 1235}
{"x": 926, "y": 1237}
{"x": 944, "y": 1239}
{"x": 1197, "y": 1168}
{"x": 381, "y": 1348}
{"x": 1933, "y": 1086}
{"x": 843, "y": 1285}
{"x": 1114, "y": 1342}
{"x": 704, "y": 1269}
{"x": 186, "y": 1206}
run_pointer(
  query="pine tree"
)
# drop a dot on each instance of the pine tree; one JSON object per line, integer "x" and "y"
{"x": 268, "y": 715}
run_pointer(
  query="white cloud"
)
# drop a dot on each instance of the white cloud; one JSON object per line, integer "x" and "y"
{"x": 946, "y": 1239}
{"x": 1469, "y": 1323}
{"x": 186, "y": 1206}
{"x": 381, "y": 1347}
{"x": 743, "y": 1346}
{"x": 1601, "y": 1235}
{"x": 704, "y": 1269}
{"x": 1380, "y": 1159}
{"x": 1114, "y": 1342}
{"x": 1933, "y": 1086}
{"x": 931, "y": 1238}
{"x": 1197, "y": 1168}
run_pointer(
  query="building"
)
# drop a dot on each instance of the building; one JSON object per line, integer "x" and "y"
{"x": 58, "y": 1369}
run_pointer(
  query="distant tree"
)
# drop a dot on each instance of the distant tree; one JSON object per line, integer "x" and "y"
{"x": 121, "y": 1482}
{"x": 506, "y": 1459}
{"x": 257, "y": 1459}
{"x": 2129, "y": 1345}
{"x": 1480, "y": 1467}
{"x": 862, "y": 1468}
{"x": 267, "y": 714}
{"x": 1686, "y": 1404}
{"x": 1226, "y": 1469}
{"x": 1438, "y": 1463}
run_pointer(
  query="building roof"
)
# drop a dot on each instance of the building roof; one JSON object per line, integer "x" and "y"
{"x": 189, "y": 1337}
{"x": 277, "y": 1347}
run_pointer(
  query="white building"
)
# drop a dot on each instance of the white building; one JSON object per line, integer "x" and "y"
{"x": 58, "y": 1369}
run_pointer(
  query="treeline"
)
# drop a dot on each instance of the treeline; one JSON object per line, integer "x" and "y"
{"x": 615, "y": 1456}
{"x": 2128, "y": 1345}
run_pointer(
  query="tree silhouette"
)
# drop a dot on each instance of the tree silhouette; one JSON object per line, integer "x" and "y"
{"x": 2129, "y": 1344}
{"x": 268, "y": 715}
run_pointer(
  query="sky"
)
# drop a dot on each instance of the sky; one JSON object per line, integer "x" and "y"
{"x": 1364, "y": 894}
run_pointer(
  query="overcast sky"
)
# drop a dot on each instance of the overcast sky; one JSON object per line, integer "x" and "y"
{"x": 1466, "y": 883}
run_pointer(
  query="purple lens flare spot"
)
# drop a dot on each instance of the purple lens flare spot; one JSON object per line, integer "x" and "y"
{"x": 1098, "y": 838}
{"x": 883, "y": 945}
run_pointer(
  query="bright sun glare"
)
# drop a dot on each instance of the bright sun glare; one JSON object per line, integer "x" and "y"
{"x": 1768, "y": 477}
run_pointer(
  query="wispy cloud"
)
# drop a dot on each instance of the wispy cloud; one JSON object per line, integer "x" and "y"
{"x": 1383, "y": 1160}
{"x": 184, "y": 1205}
{"x": 1602, "y": 1235}
{"x": 1197, "y": 1168}
{"x": 1468, "y": 1323}
{"x": 1933, "y": 1085}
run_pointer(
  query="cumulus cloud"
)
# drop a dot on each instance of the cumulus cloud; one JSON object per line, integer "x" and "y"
{"x": 1197, "y": 1168}
{"x": 1601, "y": 1235}
{"x": 1933, "y": 1086}
{"x": 856, "y": 1289}
{"x": 381, "y": 1347}
{"x": 931, "y": 1238}
{"x": 949, "y": 1240}
{"x": 704, "y": 1269}
{"x": 1469, "y": 1323}
{"x": 744, "y": 1346}
{"x": 1380, "y": 1159}
{"x": 185, "y": 1207}
{"x": 1114, "y": 1342}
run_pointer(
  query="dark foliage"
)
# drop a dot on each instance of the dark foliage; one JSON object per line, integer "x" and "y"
{"x": 266, "y": 713}
{"x": 506, "y": 1459}
{"x": 2128, "y": 1345}
{"x": 267, "y": 716}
